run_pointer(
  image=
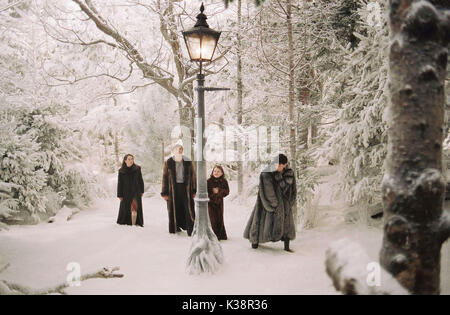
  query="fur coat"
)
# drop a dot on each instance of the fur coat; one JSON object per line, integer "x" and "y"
{"x": 168, "y": 189}
{"x": 272, "y": 218}
{"x": 130, "y": 185}
{"x": 215, "y": 205}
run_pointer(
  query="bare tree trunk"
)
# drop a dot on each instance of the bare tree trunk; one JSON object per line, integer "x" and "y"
{"x": 313, "y": 131}
{"x": 292, "y": 124}
{"x": 186, "y": 109}
{"x": 224, "y": 138}
{"x": 162, "y": 153}
{"x": 116, "y": 147}
{"x": 239, "y": 92}
{"x": 116, "y": 141}
{"x": 303, "y": 97}
{"x": 413, "y": 186}
{"x": 186, "y": 118}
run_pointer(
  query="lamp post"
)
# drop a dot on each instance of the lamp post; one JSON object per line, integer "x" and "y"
{"x": 205, "y": 254}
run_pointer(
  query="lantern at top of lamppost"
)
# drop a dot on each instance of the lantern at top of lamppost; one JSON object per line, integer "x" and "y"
{"x": 201, "y": 41}
{"x": 205, "y": 254}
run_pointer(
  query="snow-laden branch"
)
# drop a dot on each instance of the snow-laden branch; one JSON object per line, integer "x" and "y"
{"x": 10, "y": 288}
{"x": 150, "y": 71}
{"x": 133, "y": 89}
{"x": 168, "y": 30}
{"x": 75, "y": 80}
{"x": 268, "y": 60}
{"x": 354, "y": 273}
{"x": 282, "y": 8}
{"x": 11, "y": 5}
{"x": 60, "y": 38}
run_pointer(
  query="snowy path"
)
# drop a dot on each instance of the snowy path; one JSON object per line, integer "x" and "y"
{"x": 153, "y": 261}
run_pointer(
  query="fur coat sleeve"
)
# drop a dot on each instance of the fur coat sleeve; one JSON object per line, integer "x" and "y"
{"x": 119, "y": 186}
{"x": 287, "y": 184}
{"x": 267, "y": 192}
{"x": 165, "y": 181}
{"x": 140, "y": 182}
{"x": 223, "y": 188}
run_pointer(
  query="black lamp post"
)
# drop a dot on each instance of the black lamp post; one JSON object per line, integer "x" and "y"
{"x": 205, "y": 253}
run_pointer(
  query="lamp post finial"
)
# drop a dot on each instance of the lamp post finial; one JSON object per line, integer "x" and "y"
{"x": 201, "y": 18}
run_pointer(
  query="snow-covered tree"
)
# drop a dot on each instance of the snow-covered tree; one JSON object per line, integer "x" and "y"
{"x": 358, "y": 91}
{"x": 149, "y": 133}
{"x": 35, "y": 143}
{"x": 138, "y": 60}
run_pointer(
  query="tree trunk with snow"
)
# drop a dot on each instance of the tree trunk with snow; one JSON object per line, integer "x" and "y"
{"x": 292, "y": 124}
{"x": 413, "y": 187}
{"x": 116, "y": 140}
{"x": 239, "y": 94}
{"x": 162, "y": 153}
{"x": 304, "y": 94}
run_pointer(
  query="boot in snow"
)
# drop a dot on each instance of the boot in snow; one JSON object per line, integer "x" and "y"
{"x": 286, "y": 246}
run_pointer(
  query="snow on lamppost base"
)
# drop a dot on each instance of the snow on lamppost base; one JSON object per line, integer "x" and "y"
{"x": 205, "y": 254}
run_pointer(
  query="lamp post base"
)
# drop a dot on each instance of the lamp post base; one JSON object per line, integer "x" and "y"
{"x": 205, "y": 255}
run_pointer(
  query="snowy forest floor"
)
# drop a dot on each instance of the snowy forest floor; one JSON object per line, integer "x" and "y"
{"x": 153, "y": 261}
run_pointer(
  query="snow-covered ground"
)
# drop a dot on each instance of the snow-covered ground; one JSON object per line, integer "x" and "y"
{"x": 153, "y": 261}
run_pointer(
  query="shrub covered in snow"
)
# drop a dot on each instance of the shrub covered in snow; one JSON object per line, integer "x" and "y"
{"x": 35, "y": 150}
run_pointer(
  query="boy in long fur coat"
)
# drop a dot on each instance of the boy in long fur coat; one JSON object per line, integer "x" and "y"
{"x": 272, "y": 218}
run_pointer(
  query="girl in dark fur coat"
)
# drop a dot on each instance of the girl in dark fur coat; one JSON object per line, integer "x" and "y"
{"x": 217, "y": 190}
{"x": 130, "y": 188}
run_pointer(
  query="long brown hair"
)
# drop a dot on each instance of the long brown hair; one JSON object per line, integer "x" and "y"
{"x": 124, "y": 165}
{"x": 220, "y": 168}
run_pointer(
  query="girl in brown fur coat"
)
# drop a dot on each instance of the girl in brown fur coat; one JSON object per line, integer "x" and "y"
{"x": 217, "y": 190}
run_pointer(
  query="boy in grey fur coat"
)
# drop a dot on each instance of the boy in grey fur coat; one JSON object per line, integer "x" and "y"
{"x": 272, "y": 218}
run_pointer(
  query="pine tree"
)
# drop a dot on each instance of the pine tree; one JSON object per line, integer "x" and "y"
{"x": 357, "y": 140}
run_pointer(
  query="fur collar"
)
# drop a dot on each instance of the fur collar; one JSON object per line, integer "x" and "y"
{"x": 132, "y": 169}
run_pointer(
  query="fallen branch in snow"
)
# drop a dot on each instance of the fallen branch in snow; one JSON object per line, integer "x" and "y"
{"x": 65, "y": 214}
{"x": 9, "y": 288}
{"x": 354, "y": 273}
{"x": 4, "y": 267}
{"x": 75, "y": 211}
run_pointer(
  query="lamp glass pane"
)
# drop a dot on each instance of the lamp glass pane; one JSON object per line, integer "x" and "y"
{"x": 207, "y": 47}
{"x": 193, "y": 45}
